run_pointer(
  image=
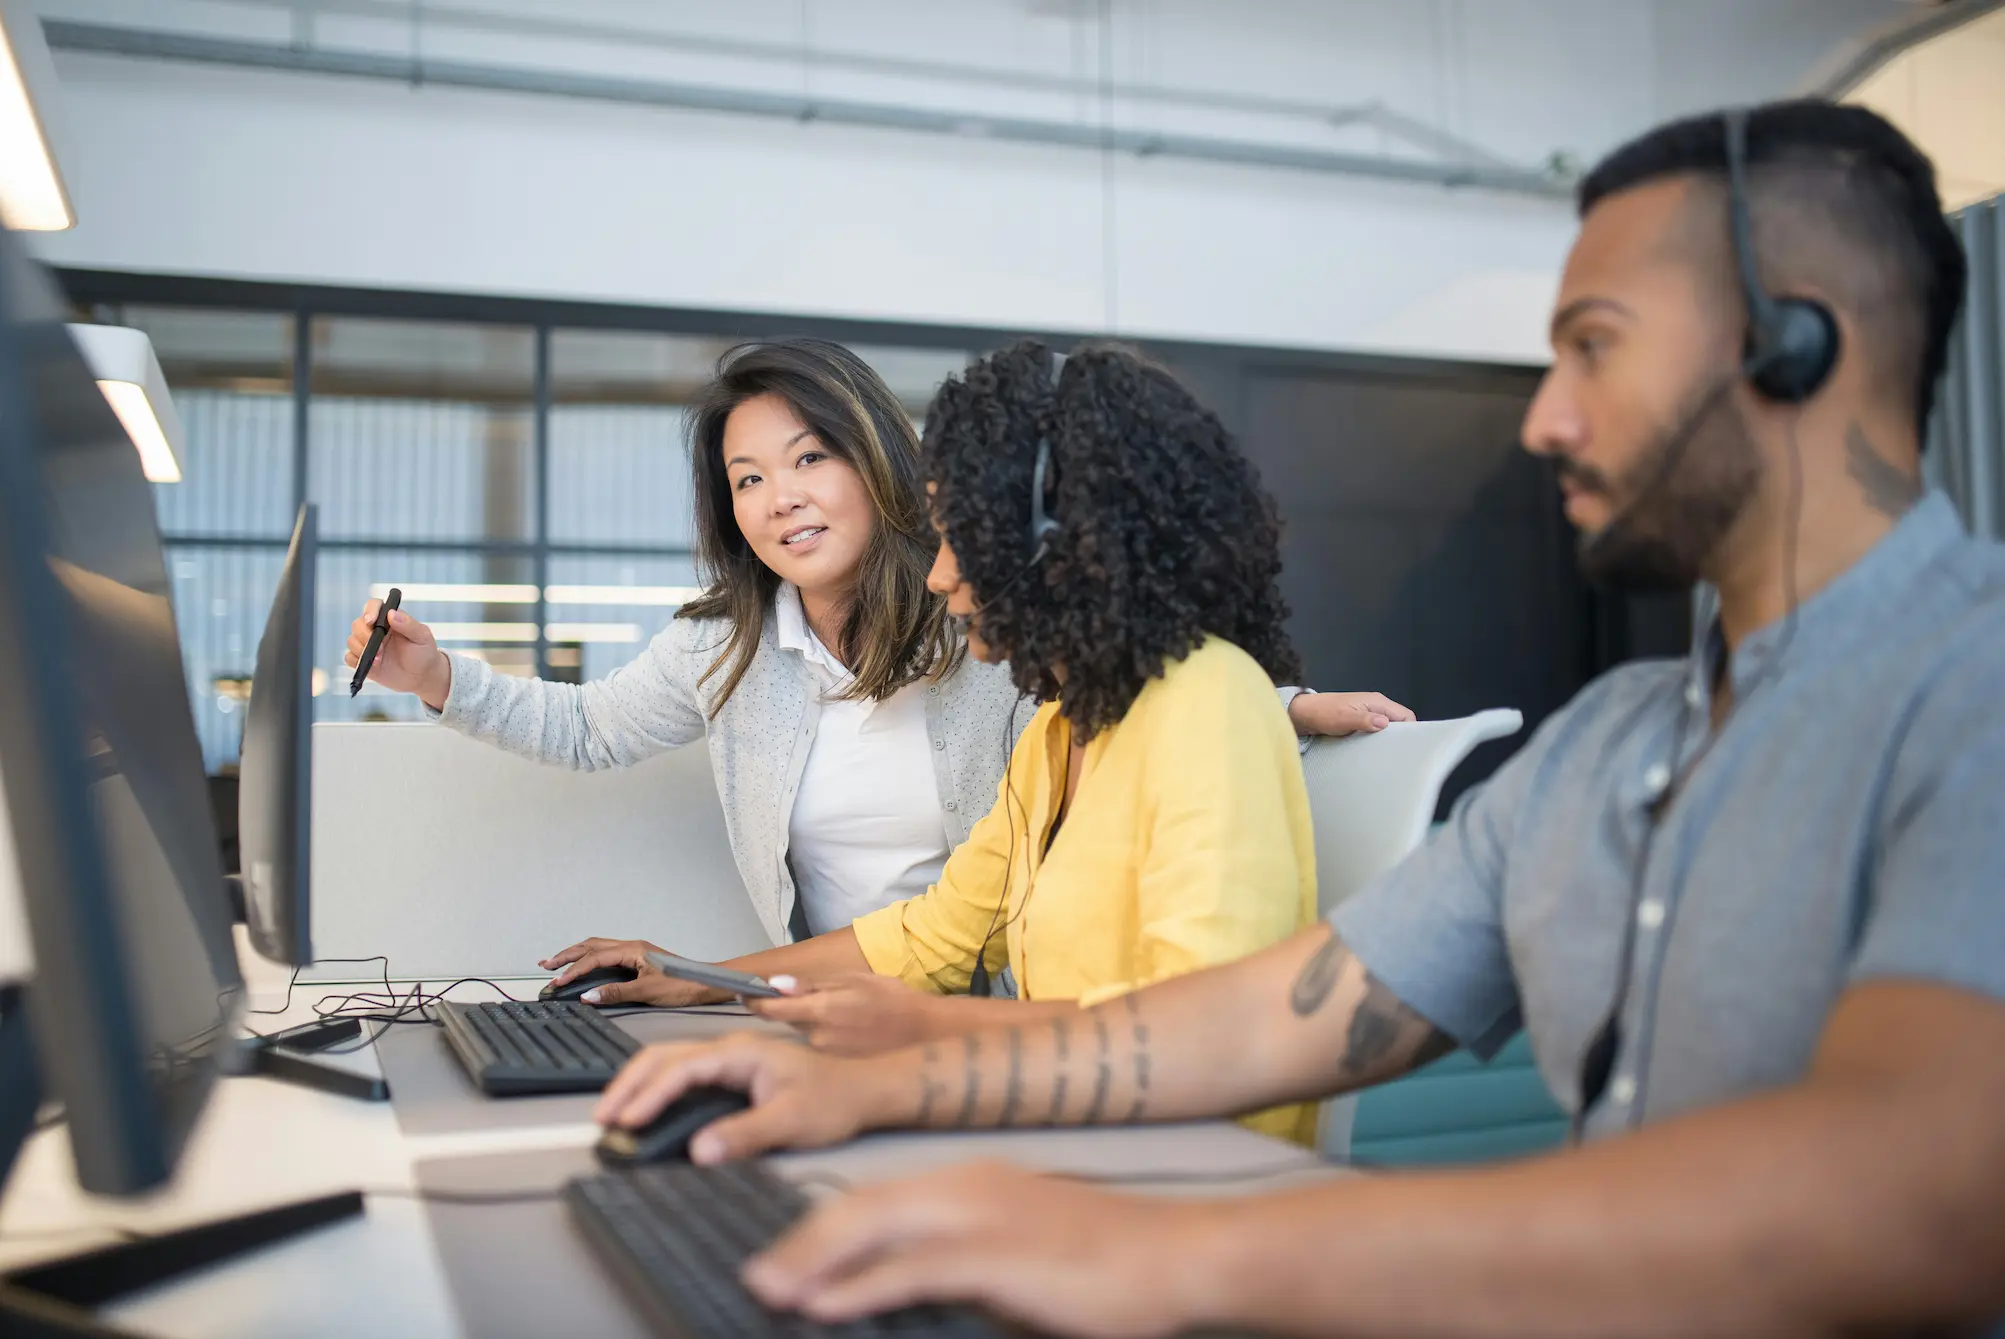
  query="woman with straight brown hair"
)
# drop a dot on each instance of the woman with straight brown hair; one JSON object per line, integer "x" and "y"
{"x": 854, "y": 741}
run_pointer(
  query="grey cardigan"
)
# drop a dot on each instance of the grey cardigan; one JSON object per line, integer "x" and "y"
{"x": 759, "y": 740}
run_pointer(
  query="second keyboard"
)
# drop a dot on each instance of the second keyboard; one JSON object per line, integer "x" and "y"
{"x": 516, "y": 1047}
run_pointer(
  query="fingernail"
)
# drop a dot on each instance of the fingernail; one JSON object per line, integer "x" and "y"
{"x": 781, "y": 982}
{"x": 1378, "y": 722}
{"x": 590, "y": 997}
{"x": 704, "y": 1149}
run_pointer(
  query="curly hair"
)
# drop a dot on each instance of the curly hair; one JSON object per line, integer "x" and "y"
{"x": 1165, "y": 535}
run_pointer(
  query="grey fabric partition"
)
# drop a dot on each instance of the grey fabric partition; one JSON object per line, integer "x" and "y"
{"x": 1966, "y": 439}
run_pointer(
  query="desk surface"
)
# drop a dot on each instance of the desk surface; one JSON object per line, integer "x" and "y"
{"x": 261, "y": 1142}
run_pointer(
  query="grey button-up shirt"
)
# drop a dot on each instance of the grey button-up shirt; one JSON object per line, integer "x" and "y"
{"x": 1848, "y": 823}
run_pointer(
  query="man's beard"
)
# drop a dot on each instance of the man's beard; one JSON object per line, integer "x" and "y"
{"x": 1681, "y": 498}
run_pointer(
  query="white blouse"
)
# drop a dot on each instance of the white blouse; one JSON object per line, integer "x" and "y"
{"x": 866, "y": 828}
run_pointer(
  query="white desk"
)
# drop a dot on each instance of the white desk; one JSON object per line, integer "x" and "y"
{"x": 260, "y": 1143}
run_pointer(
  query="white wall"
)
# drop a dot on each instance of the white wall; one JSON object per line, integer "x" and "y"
{"x": 1949, "y": 95}
{"x": 213, "y": 171}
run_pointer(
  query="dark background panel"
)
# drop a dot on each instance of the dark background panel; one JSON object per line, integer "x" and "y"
{"x": 1425, "y": 553}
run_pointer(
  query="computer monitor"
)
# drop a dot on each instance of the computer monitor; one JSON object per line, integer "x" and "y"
{"x": 131, "y": 1011}
{"x": 136, "y": 994}
{"x": 275, "y": 776}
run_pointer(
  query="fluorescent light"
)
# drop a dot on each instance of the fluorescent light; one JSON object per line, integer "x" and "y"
{"x": 32, "y": 194}
{"x": 591, "y": 632}
{"x": 622, "y": 594}
{"x": 131, "y": 379}
{"x": 156, "y": 457}
{"x": 484, "y": 632}
{"x": 484, "y": 593}
{"x": 446, "y": 593}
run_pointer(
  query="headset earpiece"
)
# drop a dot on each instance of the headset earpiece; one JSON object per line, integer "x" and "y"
{"x": 1043, "y": 529}
{"x": 1796, "y": 358}
{"x": 1792, "y": 343}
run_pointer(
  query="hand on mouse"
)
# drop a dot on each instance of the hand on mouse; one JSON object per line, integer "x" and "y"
{"x": 408, "y": 661}
{"x": 800, "y": 1098}
{"x": 650, "y": 987}
{"x": 854, "y": 1015}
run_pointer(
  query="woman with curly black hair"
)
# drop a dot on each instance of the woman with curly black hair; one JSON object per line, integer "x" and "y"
{"x": 1103, "y": 534}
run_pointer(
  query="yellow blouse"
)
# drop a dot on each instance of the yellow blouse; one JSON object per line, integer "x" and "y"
{"x": 1187, "y": 844}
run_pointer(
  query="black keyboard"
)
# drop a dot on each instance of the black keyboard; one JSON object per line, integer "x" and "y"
{"x": 675, "y": 1236}
{"x": 514, "y": 1047}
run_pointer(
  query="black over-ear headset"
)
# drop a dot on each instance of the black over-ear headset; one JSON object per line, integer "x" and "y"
{"x": 1792, "y": 343}
{"x": 1791, "y": 347}
{"x": 1042, "y": 527}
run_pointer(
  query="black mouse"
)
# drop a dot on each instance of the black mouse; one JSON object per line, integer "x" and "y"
{"x": 667, "y": 1136}
{"x": 578, "y": 985}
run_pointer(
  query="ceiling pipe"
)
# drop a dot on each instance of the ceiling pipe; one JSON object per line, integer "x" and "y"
{"x": 107, "y": 39}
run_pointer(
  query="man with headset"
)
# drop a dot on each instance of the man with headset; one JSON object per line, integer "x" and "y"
{"x": 1750, "y": 906}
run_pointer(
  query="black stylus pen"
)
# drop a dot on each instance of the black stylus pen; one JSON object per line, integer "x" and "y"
{"x": 376, "y": 635}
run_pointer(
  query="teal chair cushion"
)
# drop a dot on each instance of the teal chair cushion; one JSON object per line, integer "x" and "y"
{"x": 1459, "y": 1110}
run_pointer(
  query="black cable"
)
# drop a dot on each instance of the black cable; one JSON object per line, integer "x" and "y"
{"x": 1598, "y": 1061}
{"x": 294, "y": 980}
{"x": 392, "y": 1008}
{"x": 978, "y": 979}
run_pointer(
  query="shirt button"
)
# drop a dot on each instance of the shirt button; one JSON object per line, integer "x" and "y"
{"x": 939, "y": 743}
{"x": 1657, "y": 778}
{"x": 1692, "y": 695}
{"x": 1623, "y": 1091}
{"x": 933, "y": 690}
{"x": 951, "y": 806}
{"x": 1650, "y": 915}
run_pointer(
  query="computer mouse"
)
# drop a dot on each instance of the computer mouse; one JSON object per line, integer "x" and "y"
{"x": 578, "y": 985}
{"x": 667, "y": 1136}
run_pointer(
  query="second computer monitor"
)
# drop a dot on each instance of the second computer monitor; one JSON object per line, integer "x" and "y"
{"x": 275, "y": 777}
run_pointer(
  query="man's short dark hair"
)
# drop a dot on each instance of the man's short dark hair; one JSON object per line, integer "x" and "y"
{"x": 1825, "y": 170}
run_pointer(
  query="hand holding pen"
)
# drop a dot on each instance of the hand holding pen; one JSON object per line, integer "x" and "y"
{"x": 406, "y": 658}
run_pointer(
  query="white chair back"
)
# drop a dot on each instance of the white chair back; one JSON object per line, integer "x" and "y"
{"x": 1372, "y": 799}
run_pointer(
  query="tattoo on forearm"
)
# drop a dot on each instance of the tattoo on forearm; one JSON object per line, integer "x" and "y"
{"x": 930, "y": 1087}
{"x": 1888, "y": 488}
{"x": 1141, "y": 1031}
{"x": 1317, "y": 978}
{"x": 1013, "y": 1083}
{"x": 1104, "y": 1078}
{"x": 972, "y": 1082}
{"x": 1061, "y": 1046}
{"x": 1381, "y": 1026}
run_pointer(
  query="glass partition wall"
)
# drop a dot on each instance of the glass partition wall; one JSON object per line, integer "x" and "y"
{"x": 525, "y": 485}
